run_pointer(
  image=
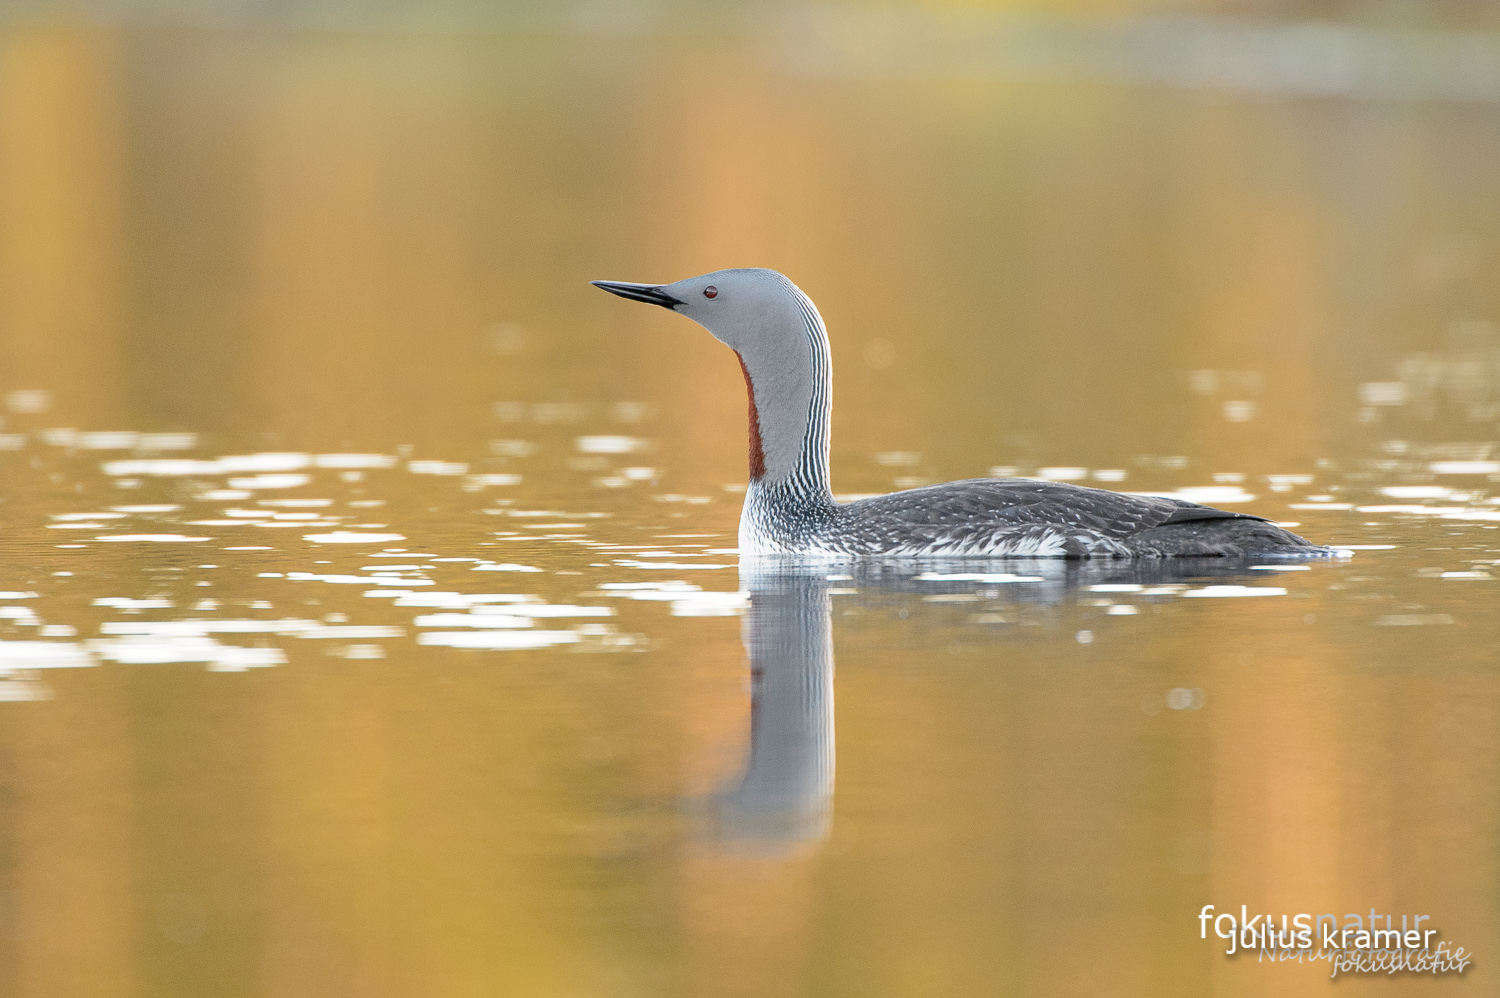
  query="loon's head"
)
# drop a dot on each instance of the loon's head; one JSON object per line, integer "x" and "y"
{"x": 782, "y": 347}
{"x": 745, "y": 309}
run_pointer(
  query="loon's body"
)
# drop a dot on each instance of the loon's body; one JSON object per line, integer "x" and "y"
{"x": 1006, "y": 517}
{"x": 789, "y": 508}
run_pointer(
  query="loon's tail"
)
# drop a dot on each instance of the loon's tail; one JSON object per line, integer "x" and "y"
{"x": 1199, "y": 533}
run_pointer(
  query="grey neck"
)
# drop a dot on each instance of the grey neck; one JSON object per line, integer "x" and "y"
{"x": 791, "y": 385}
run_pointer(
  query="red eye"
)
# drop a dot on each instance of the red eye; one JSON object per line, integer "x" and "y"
{"x": 710, "y": 292}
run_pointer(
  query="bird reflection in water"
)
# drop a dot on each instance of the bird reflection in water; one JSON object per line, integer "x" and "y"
{"x": 782, "y": 797}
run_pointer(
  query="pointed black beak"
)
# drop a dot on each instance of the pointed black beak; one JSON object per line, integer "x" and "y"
{"x": 652, "y": 294}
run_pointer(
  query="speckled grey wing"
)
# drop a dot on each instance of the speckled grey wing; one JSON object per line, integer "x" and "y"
{"x": 1018, "y": 502}
{"x": 1022, "y": 516}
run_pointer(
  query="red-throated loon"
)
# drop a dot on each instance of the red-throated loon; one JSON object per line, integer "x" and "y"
{"x": 789, "y": 509}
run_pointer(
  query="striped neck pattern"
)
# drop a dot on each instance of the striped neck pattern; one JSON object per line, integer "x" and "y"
{"x": 788, "y": 512}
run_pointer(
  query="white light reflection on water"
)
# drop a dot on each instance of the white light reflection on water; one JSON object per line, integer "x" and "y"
{"x": 1225, "y": 592}
{"x": 501, "y": 620}
{"x": 169, "y": 649}
{"x": 16, "y": 655}
{"x": 287, "y": 627}
{"x": 352, "y": 537}
{"x": 609, "y": 444}
{"x": 499, "y": 640}
{"x": 686, "y": 599}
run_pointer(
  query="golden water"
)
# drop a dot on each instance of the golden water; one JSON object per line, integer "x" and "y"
{"x": 303, "y": 385}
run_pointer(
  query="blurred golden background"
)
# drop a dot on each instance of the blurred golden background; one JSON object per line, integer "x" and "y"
{"x": 1173, "y": 238}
